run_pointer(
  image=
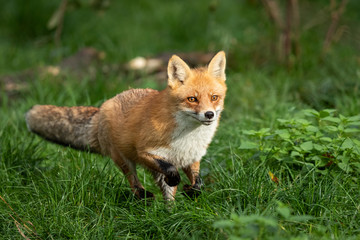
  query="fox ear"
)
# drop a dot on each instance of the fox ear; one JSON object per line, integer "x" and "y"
{"x": 217, "y": 65}
{"x": 178, "y": 71}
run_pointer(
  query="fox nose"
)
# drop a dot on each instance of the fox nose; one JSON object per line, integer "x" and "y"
{"x": 209, "y": 114}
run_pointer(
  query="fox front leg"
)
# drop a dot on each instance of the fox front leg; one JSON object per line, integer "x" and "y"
{"x": 193, "y": 173}
{"x": 167, "y": 191}
{"x": 172, "y": 176}
{"x": 165, "y": 174}
{"x": 160, "y": 165}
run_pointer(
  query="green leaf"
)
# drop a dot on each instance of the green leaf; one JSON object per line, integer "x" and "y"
{"x": 331, "y": 119}
{"x": 295, "y": 154}
{"x": 302, "y": 121}
{"x": 249, "y": 132}
{"x": 319, "y": 134}
{"x": 316, "y": 159}
{"x": 264, "y": 130}
{"x": 344, "y": 158}
{"x": 319, "y": 147}
{"x": 342, "y": 118}
{"x": 283, "y": 121}
{"x": 354, "y": 123}
{"x": 331, "y": 128}
{"x": 347, "y": 144}
{"x": 283, "y": 210}
{"x": 248, "y": 145}
{"x": 326, "y": 139}
{"x": 352, "y": 130}
{"x": 307, "y": 146}
{"x": 326, "y": 112}
{"x": 297, "y": 148}
{"x": 354, "y": 119}
{"x": 283, "y": 133}
{"x": 311, "y": 113}
{"x": 356, "y": 142}
{"x": 267, "y": 221}
{"x": 312, "y": 129}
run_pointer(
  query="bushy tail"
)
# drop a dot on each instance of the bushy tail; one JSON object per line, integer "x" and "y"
{"x": 68, "y": 126}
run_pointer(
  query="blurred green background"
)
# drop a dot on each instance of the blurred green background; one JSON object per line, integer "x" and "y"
{"x": 314, "y": 43}
{"x": 124, "y": 29}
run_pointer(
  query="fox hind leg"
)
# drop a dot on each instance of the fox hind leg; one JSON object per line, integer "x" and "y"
{"x": 129, "y": 170}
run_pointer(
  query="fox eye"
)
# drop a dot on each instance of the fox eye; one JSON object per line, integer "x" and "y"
{"x": 192, "y": 99}
{"x": 214, "y": 97}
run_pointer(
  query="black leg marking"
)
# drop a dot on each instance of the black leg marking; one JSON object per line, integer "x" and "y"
{"x": 172, "y": 176}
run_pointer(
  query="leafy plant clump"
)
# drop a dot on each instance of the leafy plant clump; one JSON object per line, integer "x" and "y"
{"x": 257, "y": 226}
{"x": 322, "y": 140}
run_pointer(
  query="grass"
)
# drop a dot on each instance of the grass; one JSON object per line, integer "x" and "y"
{"x": 51, "y": 192}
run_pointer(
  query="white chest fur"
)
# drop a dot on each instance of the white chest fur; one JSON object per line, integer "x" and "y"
{"x": 189, "y": 142}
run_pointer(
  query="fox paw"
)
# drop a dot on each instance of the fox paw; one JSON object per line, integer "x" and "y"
{"x": 141, "y": 193}
{"x": 173, "y": 179}
{"x": 191, "y": 191}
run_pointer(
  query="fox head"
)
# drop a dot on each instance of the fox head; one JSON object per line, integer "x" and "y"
{"x": 199, "y": 93}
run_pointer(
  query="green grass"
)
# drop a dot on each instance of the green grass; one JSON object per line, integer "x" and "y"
{"x": 60, "y": 193}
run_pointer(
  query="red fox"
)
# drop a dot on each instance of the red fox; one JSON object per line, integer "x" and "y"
{"x": 161, "y": 130}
